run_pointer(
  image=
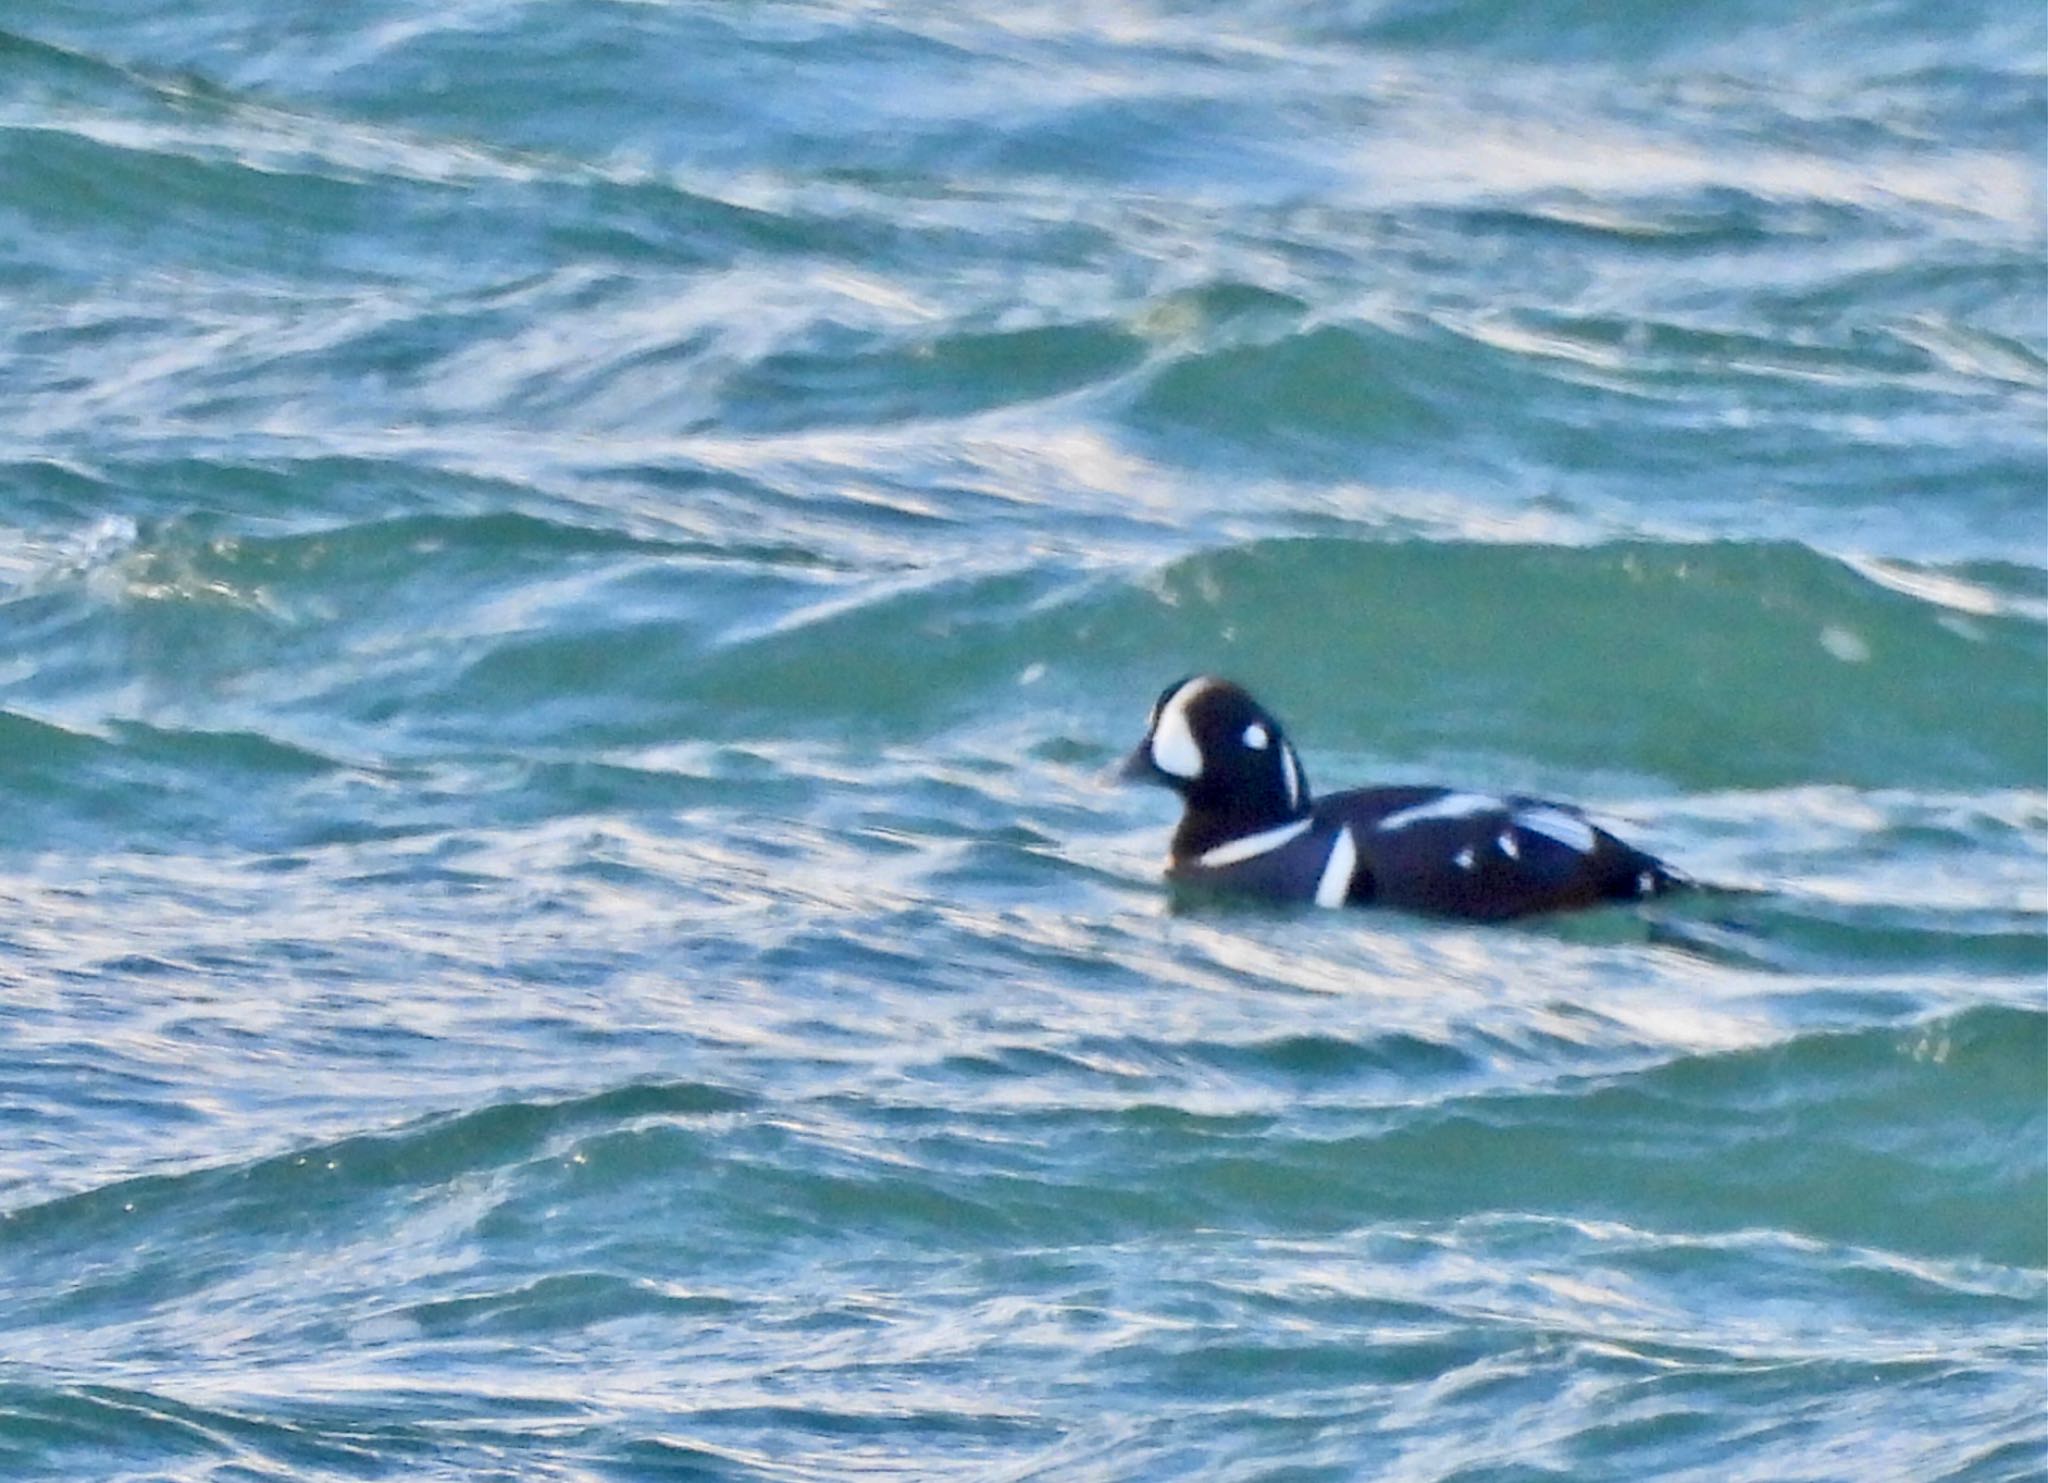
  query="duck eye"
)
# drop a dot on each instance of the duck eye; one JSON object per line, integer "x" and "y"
{"x": 1255, "y": 737}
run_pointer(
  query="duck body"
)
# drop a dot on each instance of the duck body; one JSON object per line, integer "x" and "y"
{"x": 1250, "y": 827}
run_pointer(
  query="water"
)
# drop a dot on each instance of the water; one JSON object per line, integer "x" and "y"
{"x": 567, "y": 575}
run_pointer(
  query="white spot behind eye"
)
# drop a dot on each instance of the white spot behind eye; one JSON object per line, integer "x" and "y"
{"x": 1255, "y": 737}
{"x": 1174, "y": 750}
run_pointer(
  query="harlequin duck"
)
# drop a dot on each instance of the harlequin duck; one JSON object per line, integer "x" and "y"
{"x": 1251, "y": 828}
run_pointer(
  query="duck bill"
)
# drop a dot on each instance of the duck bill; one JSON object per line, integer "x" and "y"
{"x": 1136, "y": 768}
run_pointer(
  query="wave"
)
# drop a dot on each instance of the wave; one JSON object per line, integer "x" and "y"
{"x": 1714, "y": 665}
{"x": 1785, "y": 718}
{"x": 1920, "y": 1139}
{"x": 271, "y": 1194}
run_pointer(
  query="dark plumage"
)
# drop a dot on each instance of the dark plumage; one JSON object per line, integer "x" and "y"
{"x": 1251, "y": 827}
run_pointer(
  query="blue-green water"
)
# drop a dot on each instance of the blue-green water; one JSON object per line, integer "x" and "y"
{"x": 568, "y": 572}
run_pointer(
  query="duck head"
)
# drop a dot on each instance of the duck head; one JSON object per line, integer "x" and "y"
{"x": 1224, "y": 754}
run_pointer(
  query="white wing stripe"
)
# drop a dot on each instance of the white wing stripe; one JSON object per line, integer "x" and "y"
{"x": 1449, "y": 806}
{"x": 1568, "y": 830}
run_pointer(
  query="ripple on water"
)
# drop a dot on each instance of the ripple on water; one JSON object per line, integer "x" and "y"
{"x": 559, "y": 631}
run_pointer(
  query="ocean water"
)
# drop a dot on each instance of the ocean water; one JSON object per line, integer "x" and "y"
{"x": 568, "y": 576}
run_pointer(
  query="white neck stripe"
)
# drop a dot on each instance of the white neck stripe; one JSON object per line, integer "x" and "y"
{"x": 1249, "y": 846}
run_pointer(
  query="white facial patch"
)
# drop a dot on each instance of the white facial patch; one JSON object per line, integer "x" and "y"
{"x": 1338, "y": 870}
{"x": 1255, "y": 737}
{"x": 1569, "y": 830}
{"x": 1449, "y": 806}
{"x": 1174, "y": 751}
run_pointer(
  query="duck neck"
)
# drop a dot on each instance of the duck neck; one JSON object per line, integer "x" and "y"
{"x": 1204, "y": 828}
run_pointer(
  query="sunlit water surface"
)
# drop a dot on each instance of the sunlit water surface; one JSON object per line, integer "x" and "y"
{"x": 568, "y": 573}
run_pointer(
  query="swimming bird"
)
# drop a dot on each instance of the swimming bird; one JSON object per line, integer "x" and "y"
{"x": 1251, "y": 827}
